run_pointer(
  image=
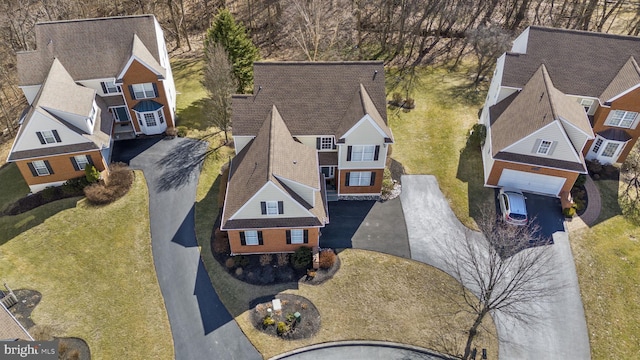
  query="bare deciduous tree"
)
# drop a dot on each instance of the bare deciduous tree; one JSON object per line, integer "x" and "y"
{"x": 488, "y": 43}
{"x": 502, "y": 272}
{"x": 630, "y": 197}
{"x": 220, "y": 83}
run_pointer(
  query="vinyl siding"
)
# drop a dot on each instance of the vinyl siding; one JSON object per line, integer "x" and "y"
{"x": 252, "y": 210}
{"x": 563, "y": 149}
{"x": 520, "y": 43}
{"x": 30, "y": 92}
{"x": 577, "y": 137}
{"x": 304, "y": 192}
{"x": 240, "y": 142}
{"x": 364, "y": 134}
{"x": 40, "y": 122}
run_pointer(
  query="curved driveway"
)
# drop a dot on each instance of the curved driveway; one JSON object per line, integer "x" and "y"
{"x": 202, "y": 327}
{"x": 560, "y": 331}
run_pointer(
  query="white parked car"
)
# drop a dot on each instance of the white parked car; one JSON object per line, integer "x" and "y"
{"x": 513, "y": 206}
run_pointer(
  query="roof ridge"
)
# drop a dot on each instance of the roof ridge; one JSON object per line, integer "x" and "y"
{"x": 95, "y": 19}
{"x": 548, "y": 84}
{"x": 358, "y": 62}
{"x": 584, "y": 32}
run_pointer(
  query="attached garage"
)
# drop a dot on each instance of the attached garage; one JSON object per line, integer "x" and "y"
{"x": 531, "y": 182}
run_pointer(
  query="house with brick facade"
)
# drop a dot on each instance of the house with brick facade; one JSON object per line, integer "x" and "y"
{"x": 88, "y": 83}
{"x": 558, "y": 98}
{"x": 311, "y": 132}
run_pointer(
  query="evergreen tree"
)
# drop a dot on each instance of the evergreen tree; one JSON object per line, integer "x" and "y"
{"x": 233, "y": 37}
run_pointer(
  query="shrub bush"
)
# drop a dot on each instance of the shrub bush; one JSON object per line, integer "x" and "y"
{"x": 302, "y": 258}
{"x": 265, "y": 259}
{"x": 91, "y": 173}
{"x": 220, "y": 243}
{"x": 569, "y": 212}
{"x": 182, "y": 131}
{"x": 396, "y": 98}
{"x": 282, "y": 327}
{"x": 409, "y": 103}
{"x": 387, "y": 182}
{"x": 477, "y": 136}
{"x": 268, "y": 321}
{"x": 171, "y": 132}
{"x": 594, "y": 166}
{"x": 230, "y": 263}
{"x": 119, "y": 183}
{"x": 327, "y": 258}
{"x": 241, "y": 260}
{"x": 582, "y": 178}
{"x": 283, "y": 259}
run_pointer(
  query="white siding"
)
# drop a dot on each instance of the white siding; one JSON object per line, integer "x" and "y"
{"x": 29, "y": 140}
{"x": 364, "y": 134}
{"x": 577, "y": 137}
{"x": 505, "y": 92}
{"x": 310, "y": 141}
{"x": 76, "y": 120}
{"x": 96, "y": 85}
{"x": 309, "y": 195}
{"x": 239, "y": 142}
{"x": 30, "y": 92}
{"x": 487, "y": 159}
{"x": 562, "y": 148}
{"x": 520, "y": 43}
{"x": 270, "y": 192}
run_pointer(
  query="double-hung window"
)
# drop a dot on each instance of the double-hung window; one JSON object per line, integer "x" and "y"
{"x": 360, "y": 178}
{"x": 621, "y": 118}
{"x": 81, "y": 161}
{"x": 41, "y": 168}
{"x": 363, "y": 152}
{"x": 272, "y": 208}
{"x": 47, "y": 136}
{"x": 110, "y": 87}
{"x": 251, "y": 237}
{"x": 143, "y": 91}
{"x": 297, "y": 236}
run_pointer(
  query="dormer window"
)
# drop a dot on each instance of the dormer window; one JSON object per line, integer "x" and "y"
{"x": 110, "y": 87}
{"x": 586, "y": 104}
{"x": 48, "y": 136}
{"x": 272, "y": 207}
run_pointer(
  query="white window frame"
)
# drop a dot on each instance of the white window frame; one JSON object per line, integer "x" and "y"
{"x": 618, "y": 118}
{"x": 363, "y": 152}
{"x": 111, "y": 87}
{"x": 149, "y": 116}
{"x": 251, "y": 238}
{"x": 597, "y": 145}
{"x": 271, "y": 207}
{"x": 608, "y": 145}
{"x": 297, "y": 236}
{"x": 331, "y": 171}
{"x": 82, "y": 161}
{"x": 326, "y": 143}
{"x": 143, "y": 91}
{"x": 360, "y": 178}
{"x": 48, "y": 137}
{"x": 41, "y": 168}
{"x": 544, "y": 147}
{"x": 586, "y": 104}
{"x": 161, "y": 115}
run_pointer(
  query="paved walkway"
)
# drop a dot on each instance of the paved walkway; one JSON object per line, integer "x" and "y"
{"x": 359, "y": 350}
{"x": 560, "y": 329}
{"x": 592, "y": 212}
{"x": 201, "y": 326}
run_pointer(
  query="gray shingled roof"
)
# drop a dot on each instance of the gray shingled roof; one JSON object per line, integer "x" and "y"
{"x": 313, "y": 97}
{"x": 538, "y": 104}
{"x": 579, "y": 62}
{"x": 60, "y": 92}
{"x": 88, "y": 48}
{"x": 10, "y": 328}
{"x": 272, "y": 155}
{"x": 627, "y": 77}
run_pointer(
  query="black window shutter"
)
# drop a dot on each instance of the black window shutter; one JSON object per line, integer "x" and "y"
{"x": 377, "y": 153}
{"x": 40, "y": 137}
{"x": 288, "y": 236}
{"x": 104, "y": 88}
{"x": 263, "y": 207}
{"x": 46, "y": 163}
{"x": 306, "y": 236}
{"x": 155, "y": 89}
{"x": 33, "y": 170}
{"x": 133, "y": 94}
{"x": 346, "y": 180}
{"x": 373, "y": 178}
{"x": 333, "y": 144}
{"x": 55, "y": 135}
{"x": 243, "y": 241}
{"x": 74, "y": 163}
{"x": 280, "y": 207}
{"x": 260, "y": 241}
{"x": 318, "y": 143}
{"x": 89, "y": 159}
{"x": 349, "y": 152}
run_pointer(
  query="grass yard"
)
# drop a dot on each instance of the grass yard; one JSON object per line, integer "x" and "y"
{"x": 607, "y": 258}
{"x": 431, "y": 139}
{"x": 187, "y": 72}
{"x": 94, "y": 268}
{"x": 373, "y": 296}
{"x": 13, "y": 185}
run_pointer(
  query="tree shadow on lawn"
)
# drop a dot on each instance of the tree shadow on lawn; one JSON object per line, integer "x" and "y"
{"x": 182, "y": 163}
{"x": 12, "y": 226}
{"x": 193, "y": 116}
{"x": 470, "y": 170}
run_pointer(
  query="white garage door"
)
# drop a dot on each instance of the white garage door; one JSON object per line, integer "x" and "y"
{"x": 526, "y": 181}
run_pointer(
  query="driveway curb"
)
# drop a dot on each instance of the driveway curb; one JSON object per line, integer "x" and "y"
{"x": 364, "y": 343}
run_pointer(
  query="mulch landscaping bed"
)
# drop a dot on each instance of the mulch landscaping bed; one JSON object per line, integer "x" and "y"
{"x": 263, "y": 269}
{"x": 579, "y": 192}
{"x": 68, "y": 347}
{"x": 304, "y": 328}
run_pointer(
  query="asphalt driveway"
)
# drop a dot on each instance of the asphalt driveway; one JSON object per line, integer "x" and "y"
{"x": 560, "y": 329}
{"x": 201, "y": 326}
{"x": 369, "y": 225}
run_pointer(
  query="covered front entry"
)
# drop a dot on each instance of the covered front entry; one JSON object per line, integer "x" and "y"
{"x": 531, "y": 182}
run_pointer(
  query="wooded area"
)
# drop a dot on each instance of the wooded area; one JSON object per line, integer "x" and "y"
{"x": 403, "y": 33}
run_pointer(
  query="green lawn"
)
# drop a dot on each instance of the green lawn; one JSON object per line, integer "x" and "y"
{"x": 431, "y": 139}
{"x": 94, "y": 268}
{"x": 187, "y": 72}
{"x": 607, "y": 258}
{"x": 13, "y": 185}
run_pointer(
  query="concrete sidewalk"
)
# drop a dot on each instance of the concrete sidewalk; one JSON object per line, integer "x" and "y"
{"x": 560, "y": 331}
